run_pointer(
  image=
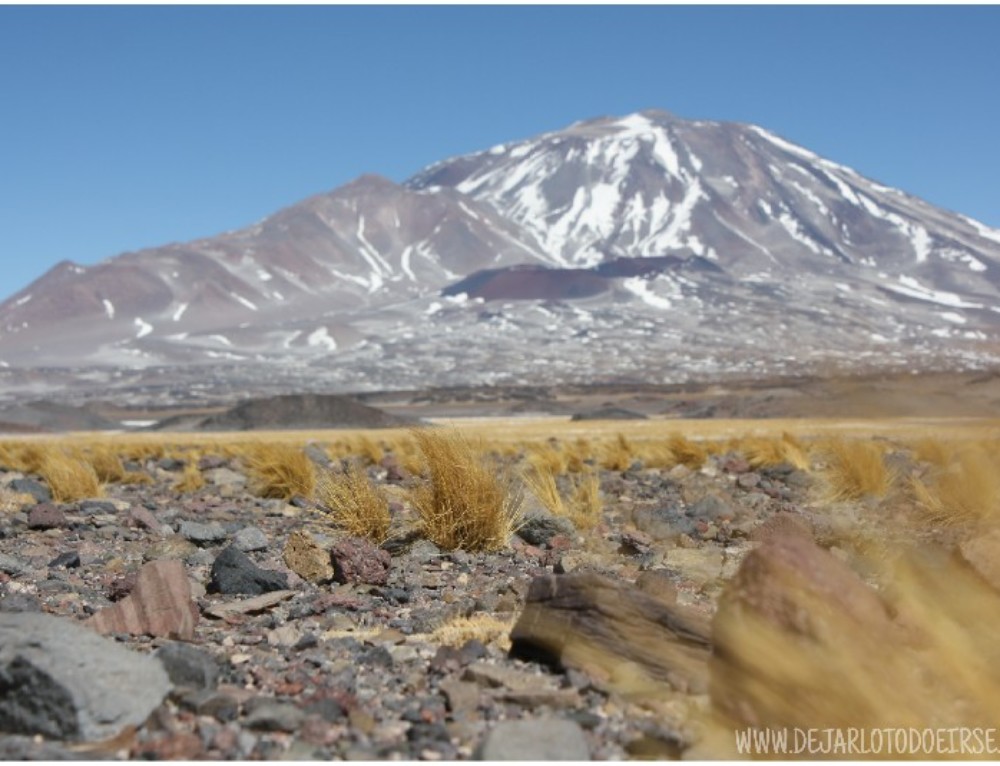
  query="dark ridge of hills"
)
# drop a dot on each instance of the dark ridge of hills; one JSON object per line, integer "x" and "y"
{"x": 42, "y": 416}
{"x": 302, "y": 411}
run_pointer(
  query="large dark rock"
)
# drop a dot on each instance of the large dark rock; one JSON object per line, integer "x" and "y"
{"x": 538, "y": 527}
{"x": 188, "y": 666}
{"x": 233, "y": 572}
{"x": 33, "y": 487}
{"x": 63, "y": 681}
{"x": 602, "y": 627}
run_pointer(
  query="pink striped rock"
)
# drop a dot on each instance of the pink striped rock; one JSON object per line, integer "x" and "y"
{"x": 160, "y": 604}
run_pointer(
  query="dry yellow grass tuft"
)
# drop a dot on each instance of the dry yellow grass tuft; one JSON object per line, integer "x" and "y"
{"x": 69, "y": 478}
{"x": 191, "y": 479}
{"x": 578, "y": 453}
{"x": 354, "y": 503}
{"x": 11, "y": 502}
{"x": 280, "y": 470}
{"x": 655, "y": 454}
{"x": 618, "y": 455}
{"x": 687, "y": 452}
{"x": 368, "y": 450}
{"x": 109, "y": 468}
{"x": 548, "y": 458}
{"x": 963, "y": 487}
{"x": 24, "y": 457}
{"x": 543, "y": 485}
{"x": 480, "y": 626}
{"x": 855, "y": 469}
{"x": 582, "y": 501}
{"x": 937, "y": 452}
{"x": 762, "y": 452}
{"x": 467, "y": 503}
{"x": 585, "y": 506}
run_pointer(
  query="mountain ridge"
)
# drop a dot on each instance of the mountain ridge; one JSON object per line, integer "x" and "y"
{"x": 643, "y": 235}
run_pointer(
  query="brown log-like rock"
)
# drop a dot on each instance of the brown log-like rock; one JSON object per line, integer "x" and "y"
{"x": 159, "y": 604}
{"x": 626, "y": 640}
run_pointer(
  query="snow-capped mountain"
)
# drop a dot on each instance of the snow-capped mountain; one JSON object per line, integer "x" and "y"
{"x": 644, "y": 247}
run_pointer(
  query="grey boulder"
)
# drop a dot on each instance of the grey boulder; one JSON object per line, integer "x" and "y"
{"x": 63, "y": 681}
{"x": 543, "y": 739}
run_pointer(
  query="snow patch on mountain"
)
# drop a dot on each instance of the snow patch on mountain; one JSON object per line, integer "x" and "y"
{"x": 911, "y": 287}
{"x": 320, "y": 337}
{"x": 640, "y": 288}
{"x": 244, "y": 301}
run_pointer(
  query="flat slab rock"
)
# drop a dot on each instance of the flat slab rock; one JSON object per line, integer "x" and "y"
{"x": 622, "y": 637}
{"x": 63, "y": 681}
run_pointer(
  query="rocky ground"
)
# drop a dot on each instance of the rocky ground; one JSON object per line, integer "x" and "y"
{"x": 260, "y": 632}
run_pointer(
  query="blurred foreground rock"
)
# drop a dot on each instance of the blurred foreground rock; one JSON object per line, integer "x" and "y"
{"x": 802, "y": 641}
{"x": 63, "y": 681}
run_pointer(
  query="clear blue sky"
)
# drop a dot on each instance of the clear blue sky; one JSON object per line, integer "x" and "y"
{"x": 127, "y": 127}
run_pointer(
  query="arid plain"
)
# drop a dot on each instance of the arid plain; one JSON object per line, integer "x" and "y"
{"x": 628, "y": 583}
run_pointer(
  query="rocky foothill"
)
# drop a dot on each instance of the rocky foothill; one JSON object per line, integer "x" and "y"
{"x": 218, "y": 625}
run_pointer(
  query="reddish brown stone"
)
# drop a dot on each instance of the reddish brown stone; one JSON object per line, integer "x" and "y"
{"x": 782, "y": 524}
{"x": 160, "y": 604}
{"x": 142, "y": 517}
{"x": 46, "y": 516}
{"x": 356, "y": 560}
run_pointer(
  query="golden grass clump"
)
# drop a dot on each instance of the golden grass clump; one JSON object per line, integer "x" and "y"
{"x": 655, "y": 454}
{"x": 141, "y": 451}
{"x": 24, "y": 457}
{"x": 69, "y": 478}
{"x": 687, "y": 452}
{"x": 467, "y": 502}
{"x": 618, "y": 455}
{"x": 109, "y": 467}
{"x": 354, "y": 503}
{"x": 577, "y": 454}
{"x": 582, "y": 502}
{"x": 542, "y": 484}
{"x": 585, "y": 505}
{"x": 280, "y": 470}
{"x": 762, "y": 452}
{"x": 937, "y": 452}
{"x": 855, "y": 469}
{"x": 482, "y": 627}
{"x": 409, "y": 456}
{"x": 370, "y": 451}
{"x": 964, "y": 487}
{"x": 190, "y": 480}
{"x": 11, "y": 501}
{"x": 548, "y": 458}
